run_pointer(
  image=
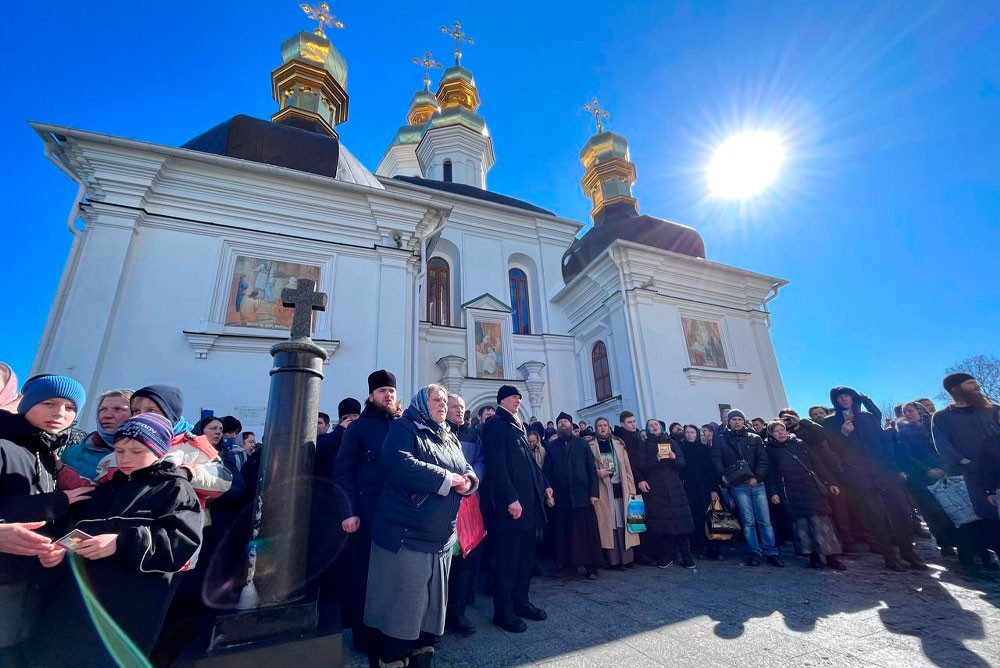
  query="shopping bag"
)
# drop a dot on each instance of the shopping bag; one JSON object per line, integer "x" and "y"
{"x": 470, "y": 524}
{"x": 635, "y": 522}
{"x": 720, "y": 524}
{"x": 953, "y": 496}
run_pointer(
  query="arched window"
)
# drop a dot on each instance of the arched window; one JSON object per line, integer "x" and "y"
{"x": 446, "y": 177}
{"x": 519, "y": 301}
{"x": 602, "y": 373}
{"x": 438, "y": 292}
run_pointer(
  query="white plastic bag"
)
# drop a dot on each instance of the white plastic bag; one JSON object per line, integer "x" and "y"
{"x": 953, "y": 495}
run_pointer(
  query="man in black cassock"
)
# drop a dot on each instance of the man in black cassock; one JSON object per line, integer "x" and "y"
{"x": 571, "y": 470}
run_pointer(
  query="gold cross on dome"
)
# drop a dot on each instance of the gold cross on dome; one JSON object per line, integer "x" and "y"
{"x": 321, "y": 13}
{"x": 599, "y": 114}
{"x": 428, "y": 64}
{"x": 456, "y": 33}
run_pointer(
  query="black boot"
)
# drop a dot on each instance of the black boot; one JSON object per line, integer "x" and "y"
{"x": 836, "y": 564}
{"x": 422, "y": 658}
{"x": 456, "y": 622}
{"x": 815, "y": 561}
{"x": 684, "y": 546}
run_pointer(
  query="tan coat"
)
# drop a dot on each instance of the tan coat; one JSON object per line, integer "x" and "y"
{"x": 605, "y": 514}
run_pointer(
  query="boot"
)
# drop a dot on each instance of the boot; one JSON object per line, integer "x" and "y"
{"x": 894, "y": 564}
{"x": 911, "y": 558}
{"x": 836, "y": 564}
{"x": 456, "y": 622}
{"x": 815, "y": 561}
{"x": 684, "y": 546}
{"x": 422, "y": 658}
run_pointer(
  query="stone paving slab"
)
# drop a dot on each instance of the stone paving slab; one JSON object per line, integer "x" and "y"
{"x": 731, "y": 615}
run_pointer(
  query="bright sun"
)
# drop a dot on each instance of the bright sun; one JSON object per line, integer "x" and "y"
{"x": 745, "y": 164}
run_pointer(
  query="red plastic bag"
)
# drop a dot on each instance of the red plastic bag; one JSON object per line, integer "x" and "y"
{"x": 470, "y": 524}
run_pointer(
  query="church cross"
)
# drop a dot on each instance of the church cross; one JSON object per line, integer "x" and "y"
{"x": 456, "y": 33}
{"x": 428, "y": 64}
{"x": 599, "y": 114}
{"x": 304, "y": 299}
{"x": 321, "y": 13}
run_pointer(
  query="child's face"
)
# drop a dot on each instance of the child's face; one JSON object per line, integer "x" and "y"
{"x": 131, "y": 455}
{"x": 52, "y": 415}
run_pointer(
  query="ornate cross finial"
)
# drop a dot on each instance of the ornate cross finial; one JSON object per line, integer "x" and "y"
{"x": 321, "y": 13}
{"x": 599, "y": 114}
{"x": 304, "y": 299}
{"x": 456, "y": 33}
{"x": 428, "y": 64}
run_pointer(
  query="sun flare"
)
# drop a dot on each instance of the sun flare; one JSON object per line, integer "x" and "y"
{"x": 745, "y": 164}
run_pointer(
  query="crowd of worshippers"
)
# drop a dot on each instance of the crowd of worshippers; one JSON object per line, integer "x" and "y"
{"x": 426, "y": 499}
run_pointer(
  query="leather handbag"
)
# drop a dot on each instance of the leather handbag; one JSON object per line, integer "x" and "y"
{"x": 720, "y": 524}
{"x": 738, "y": 473}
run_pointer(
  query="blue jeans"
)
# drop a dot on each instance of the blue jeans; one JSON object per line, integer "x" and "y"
{"x": 752, "y": 504}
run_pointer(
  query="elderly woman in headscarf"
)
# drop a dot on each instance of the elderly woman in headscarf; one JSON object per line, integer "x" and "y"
{"x": 9, "y": 397}
{"x": 413, "y": 530}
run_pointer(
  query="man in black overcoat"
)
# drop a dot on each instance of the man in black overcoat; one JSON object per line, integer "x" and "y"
{"x": 517, "y": 511}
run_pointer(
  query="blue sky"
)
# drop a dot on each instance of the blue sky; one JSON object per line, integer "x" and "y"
{"x": 885, "y": 220}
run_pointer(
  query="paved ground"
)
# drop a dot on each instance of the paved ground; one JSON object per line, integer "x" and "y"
{"x": 731, "y": 615}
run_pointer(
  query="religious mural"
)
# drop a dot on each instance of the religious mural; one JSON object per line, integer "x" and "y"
{"x": 255, "y": 291}
{"x": 704, "y": 343}
{"x": 489, "y": 350}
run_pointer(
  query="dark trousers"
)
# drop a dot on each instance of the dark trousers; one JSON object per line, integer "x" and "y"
{"x": 887, "y": 517}
{"x": 513, "y": 559}
{"x": 840, "y": 507}
{"x": 663, "y": 547}
{"x": 462, "y": 580}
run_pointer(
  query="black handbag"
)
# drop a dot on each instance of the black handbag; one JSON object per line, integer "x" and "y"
{"x": 738, "y": 473}
{"x": 721, "y": 522}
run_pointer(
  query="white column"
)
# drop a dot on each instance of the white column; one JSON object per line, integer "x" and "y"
{"x": 394, "y": 328}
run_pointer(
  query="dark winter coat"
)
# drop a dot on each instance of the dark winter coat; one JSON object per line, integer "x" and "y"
{"x": 636, "y": 450}
{"x": 814, "y": 436}
{"x": 668, "y": 510}
{"x": 417, "y": 462}
{"x": 512, "y": 475}
{"x": 973, "y": 434}
{"x": 327, "y": 448}
{"x": 731, "y": 446}
{"x": 915, "y": 453}
{"x": 698, "y": 476}
{"x": 28, "y": 488}
{"x": 866, "y": 455}
{"x": 358, "y": 477}
{"x": 159, "y": 523}
{"x": 789, "y": 479}
{"x": 571, "y": 470}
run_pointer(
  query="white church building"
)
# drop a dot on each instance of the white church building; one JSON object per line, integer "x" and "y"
{"x": 177, "y": 272}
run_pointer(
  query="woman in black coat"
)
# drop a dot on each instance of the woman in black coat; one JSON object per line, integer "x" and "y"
{"x": 702, "y": 488}
{"x": 668, "y": 515}
{"x": 800, "y": 482}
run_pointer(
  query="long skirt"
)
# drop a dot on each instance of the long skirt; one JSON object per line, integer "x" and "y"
{"x": 815, "y": 534}
{"x": 407, "y": 592}
{"x": 620, "y": 555}
{"x": 576, "y": 538}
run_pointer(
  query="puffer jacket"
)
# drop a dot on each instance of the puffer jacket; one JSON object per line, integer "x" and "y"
{"x": 732, "y": 446}
{"x": 788, "y": 478}
{"x": 412, "y": 511}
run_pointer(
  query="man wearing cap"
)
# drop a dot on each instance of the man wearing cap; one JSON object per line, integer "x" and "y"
{"x": 358, "y": 482}
{"x": 870, "y": 475}
{"x": 967, "y": 433}
{"x": 328, "y": 444}
{"x": 571, "y": 468}
{"x": 517, "y": 512}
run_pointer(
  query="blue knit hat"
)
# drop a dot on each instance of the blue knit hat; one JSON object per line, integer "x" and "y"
{"x": 47, "y": 386}
{"x": 152, "y": 430}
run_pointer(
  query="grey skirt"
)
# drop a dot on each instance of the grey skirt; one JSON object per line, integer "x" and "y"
{"x": 815, "y": 533}
{"x": 407, "y": 592}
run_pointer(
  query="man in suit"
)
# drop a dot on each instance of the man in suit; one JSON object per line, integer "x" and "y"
{"x": 517, "y": 512}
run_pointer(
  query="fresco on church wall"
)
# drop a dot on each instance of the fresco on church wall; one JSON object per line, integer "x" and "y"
{"x": 704, "y": 343}
{"x": 255, "y": 291}
{"x": 489, "y": 350}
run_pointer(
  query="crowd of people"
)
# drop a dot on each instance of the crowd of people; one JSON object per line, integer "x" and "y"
{"x": 429, "y": 502}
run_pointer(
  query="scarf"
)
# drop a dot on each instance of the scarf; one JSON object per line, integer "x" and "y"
{"x": 8, "y": 393}
{"x": 107, "y": 436}
{"x": 421, "y": 404}
{"x": 922, "y": 428}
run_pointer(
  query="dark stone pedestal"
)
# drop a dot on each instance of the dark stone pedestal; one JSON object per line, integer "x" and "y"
{"x": 276, "y": 637}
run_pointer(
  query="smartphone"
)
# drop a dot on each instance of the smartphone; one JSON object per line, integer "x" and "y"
{"x": 848, "y": 415}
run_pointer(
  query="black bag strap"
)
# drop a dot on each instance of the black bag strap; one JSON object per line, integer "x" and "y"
{"x": 808, "y": 470}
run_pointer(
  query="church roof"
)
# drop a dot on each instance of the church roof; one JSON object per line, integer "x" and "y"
{"x": 472, "y": 191}
{"x": 619, "y": 221}
{"x": 282, "y": 145}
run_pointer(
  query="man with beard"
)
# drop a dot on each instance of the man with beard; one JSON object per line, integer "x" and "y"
{"x": 818, "y": 413}
{"x": 676, "y": 432}
{"x": 570, "y": 467}
{"x": 358, "y": 483}
{"x": 869, "y": 472}
{"x": 967, "y": 433}
{"x": 517, "y": 512}
{"x": 464, "y": 570}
